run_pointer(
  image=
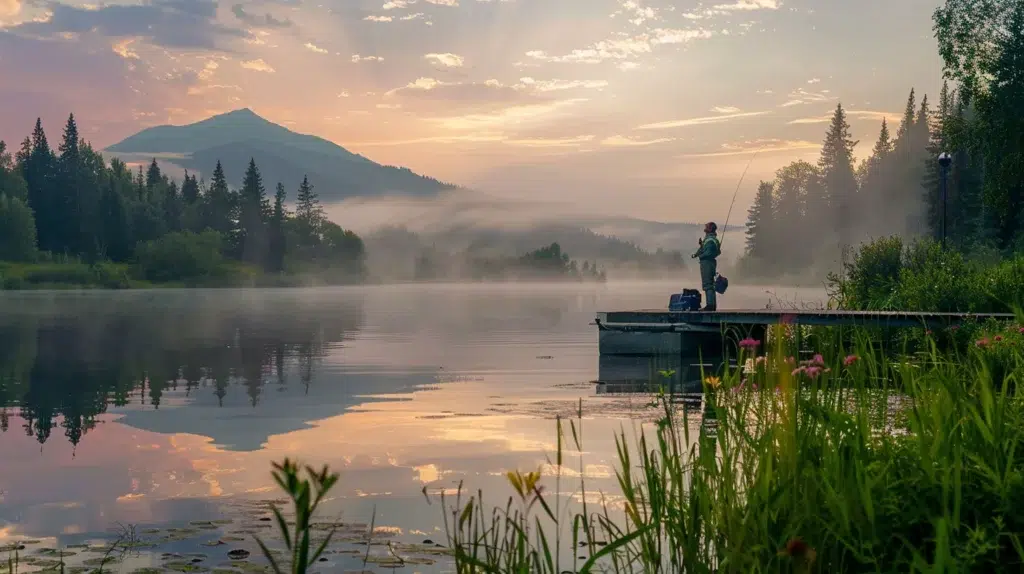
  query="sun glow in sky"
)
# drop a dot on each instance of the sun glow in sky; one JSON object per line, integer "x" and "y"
{"x": 649, "y": 108}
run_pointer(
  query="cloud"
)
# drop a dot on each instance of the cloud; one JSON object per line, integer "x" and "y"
{"x": 621, "y": 141}
{"x": 854, "y": 114}
{"x": 258, "y": 65}
{"x": 514, "y": 116}
{"x": 314, "y": 48}
{"x": 801, "y": 96}
{"x": 455, "y": 93}
{"x": 559, "y": 85}
{"x": 265, "y": 21}
{"x": 746, "y": 5}
{"x": 725, "y": 109}
{"x": 699, "y": 121}
{"x": 375, "y": 18}
{"x": 626, "y": 48}
{"x": 356, "y": 58}
{"x": 167, "y": 23}
{"x": 550, "y": 142}
{"x": 447, "y": 60}
{"x": 770, "y": 145}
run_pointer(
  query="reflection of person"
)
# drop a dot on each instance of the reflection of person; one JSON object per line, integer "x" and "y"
{"x": 707, "y": 254}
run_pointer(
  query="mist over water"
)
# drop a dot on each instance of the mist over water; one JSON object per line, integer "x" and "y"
{"x": 163, "y": 407}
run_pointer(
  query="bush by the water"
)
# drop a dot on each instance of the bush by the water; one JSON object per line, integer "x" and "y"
{"x": 887, "y": 274}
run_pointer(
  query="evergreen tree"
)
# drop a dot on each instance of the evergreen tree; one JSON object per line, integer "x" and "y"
{"x": 38, "y": 171}
{"x": 190, "y": 189}
{"x": 252, "y": 236}
{"x": 278, "y": 247}
{"x": 153, "y": 175}
{"x": 309, "y": 215}
{"x": 761, "y": 237}
{"x": 838, "y": 177}
{"x": 67, "y": 194}
{"x": 220, "y": 205}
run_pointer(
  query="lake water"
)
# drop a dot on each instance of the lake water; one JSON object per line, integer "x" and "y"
{"x": 160, "y": 408}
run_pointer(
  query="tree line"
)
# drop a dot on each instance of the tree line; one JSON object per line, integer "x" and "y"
{"x": 70, "y": 204}
{"x": 810, "y": 214}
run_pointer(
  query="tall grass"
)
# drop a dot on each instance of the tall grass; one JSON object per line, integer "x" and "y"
{"x": 852, "y": 461}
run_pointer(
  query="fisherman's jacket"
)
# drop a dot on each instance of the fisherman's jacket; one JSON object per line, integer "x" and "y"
{"x": 710, "y": 249}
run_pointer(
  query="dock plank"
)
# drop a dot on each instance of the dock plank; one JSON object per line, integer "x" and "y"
{"x": 660, "y": 320}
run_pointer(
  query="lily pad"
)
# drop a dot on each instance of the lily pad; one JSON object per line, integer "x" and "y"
{"x": 238, "y": 554}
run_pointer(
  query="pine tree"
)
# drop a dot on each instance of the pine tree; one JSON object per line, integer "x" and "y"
{"x": 219, "y": 205}
{"x": 251, "y": 222}
{"x": 67, "y": 198}
{"x": 153, "y": 175}
{"x": 761, "y": 217}
{"x": 838, "y": 177}
{"x": 277, "y": 233}
{"x": 309, "y": 214}
{"x": 38, "y": 171}
{"x": 190, "y": 189}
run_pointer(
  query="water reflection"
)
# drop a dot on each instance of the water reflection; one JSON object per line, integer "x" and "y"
{"x": 63, "y": 360}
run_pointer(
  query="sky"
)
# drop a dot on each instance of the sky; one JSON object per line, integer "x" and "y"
{"x": 645, "y": 108}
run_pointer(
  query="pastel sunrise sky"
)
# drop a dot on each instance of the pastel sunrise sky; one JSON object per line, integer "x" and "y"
{"x": 648, "y": 108}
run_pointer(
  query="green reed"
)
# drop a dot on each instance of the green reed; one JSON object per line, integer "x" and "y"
{"x": 854, "y": 461}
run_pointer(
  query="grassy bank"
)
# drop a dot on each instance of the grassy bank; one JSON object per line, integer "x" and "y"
{"x": 106, "y": 275}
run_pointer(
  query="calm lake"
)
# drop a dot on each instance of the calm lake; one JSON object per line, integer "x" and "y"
{"x": 158, "y": 409}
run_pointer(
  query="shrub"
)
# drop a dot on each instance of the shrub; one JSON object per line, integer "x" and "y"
{"x": 180, "y": 256}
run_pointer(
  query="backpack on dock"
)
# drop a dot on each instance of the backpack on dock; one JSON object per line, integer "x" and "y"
{"x": 688, "y": 300}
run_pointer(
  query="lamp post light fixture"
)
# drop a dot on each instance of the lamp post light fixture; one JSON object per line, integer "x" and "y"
{"x": 945, "y": 160}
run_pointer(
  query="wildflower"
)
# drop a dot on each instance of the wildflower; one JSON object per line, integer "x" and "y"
{"x": 818, "y": 360}
{"x": 750, "y": 344}
{"x": 798, "y": 370}
{"x": 849, "y": 360}
{"x": 1021, "y": 330}
{"x": 813, "y": 372}
{"x": 791, "y": 360}
{"x": 982, "y": 343}
{"x": 928, "y": 332}
{"x": 997, "y": 338}
{"x": 713, "y": 382}
{"x": 760, "y": 360}
{"x": 827, "y": 370}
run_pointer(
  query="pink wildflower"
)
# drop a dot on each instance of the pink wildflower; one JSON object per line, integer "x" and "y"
{"x": 818, "y": 360}
{"x": 750, "y": 344}
{"x": 798, "y": 370}
{"x": 982, "y": 343}
{"x": 1021, "y": 330}
{"x": 998, "y": 338}
{"x": 849, "y": 360}
{"x": 813, "y": 371}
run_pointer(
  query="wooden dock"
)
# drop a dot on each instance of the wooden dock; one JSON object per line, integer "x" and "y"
{"x": 657, "y": 331}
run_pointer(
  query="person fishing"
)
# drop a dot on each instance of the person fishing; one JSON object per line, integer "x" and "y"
{"x": 707, "y": 253}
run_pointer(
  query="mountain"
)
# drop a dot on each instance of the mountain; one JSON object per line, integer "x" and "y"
{"x": 281, "y": 154}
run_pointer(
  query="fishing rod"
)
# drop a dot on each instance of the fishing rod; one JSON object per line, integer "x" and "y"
{"x": 734, "y": 194}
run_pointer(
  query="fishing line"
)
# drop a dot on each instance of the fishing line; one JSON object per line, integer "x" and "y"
{"x": 734, "y": 194}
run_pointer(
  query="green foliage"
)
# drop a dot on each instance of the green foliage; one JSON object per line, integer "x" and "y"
{"x": 850, "y": 461}
{"x": 181, "y": 255}
{"x": 886, "y": 275}
{"x": 306, "y": 494}
{"x": 17, "y": 230}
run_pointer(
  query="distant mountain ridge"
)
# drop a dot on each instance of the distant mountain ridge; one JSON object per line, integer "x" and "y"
{"x": 281, "y": 154}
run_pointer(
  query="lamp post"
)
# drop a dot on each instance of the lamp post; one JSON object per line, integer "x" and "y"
{"x": 944, "y": 162}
